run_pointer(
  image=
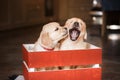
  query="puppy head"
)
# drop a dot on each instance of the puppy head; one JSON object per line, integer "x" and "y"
{"x": 51, "y": 34}
{"x": 76, "y": 29}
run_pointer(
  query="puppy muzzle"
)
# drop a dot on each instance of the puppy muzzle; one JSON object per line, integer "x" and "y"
{"x": 74, "y": 31}
{"x": 74, "y": 34}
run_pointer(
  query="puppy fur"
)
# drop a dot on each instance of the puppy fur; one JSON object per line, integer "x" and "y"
{"x": 76, "y": 35}
{"x": 49, "y": 37}
{"x": 75, "y": 40}
{"x": 48, "y": 40}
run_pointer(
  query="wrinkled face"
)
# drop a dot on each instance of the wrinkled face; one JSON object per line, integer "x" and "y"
{"x": 55, "y": 31}
{"x": 76, "y": 28}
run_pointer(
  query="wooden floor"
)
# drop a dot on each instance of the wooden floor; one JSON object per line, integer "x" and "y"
{"x": 11, "y": 53}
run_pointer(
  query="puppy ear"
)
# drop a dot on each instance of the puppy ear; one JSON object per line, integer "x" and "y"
{"x": 46, "y": 41}
{"x": 85, "y": 36}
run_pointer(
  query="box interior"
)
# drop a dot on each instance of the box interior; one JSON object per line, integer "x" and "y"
{"x": 29, "y": 47}
{"x": 65, "y": 68}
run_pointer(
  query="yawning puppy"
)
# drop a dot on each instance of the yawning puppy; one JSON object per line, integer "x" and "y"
{"x": 76, "y": 39}
{"x": 49, "y": 37}
{"x": 76, "y": 35}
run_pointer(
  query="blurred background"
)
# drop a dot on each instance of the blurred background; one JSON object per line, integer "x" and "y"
{"x": 21, "y": 22}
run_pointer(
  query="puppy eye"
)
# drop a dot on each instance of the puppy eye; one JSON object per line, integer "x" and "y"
{"x": 56, "y": 29}
{"x": 81, "y": 24}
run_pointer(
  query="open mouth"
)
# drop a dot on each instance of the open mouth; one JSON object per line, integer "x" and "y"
{"x": 74, "y": 34}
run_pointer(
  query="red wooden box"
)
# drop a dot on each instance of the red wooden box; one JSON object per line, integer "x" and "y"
{"x": 62, "y": 58}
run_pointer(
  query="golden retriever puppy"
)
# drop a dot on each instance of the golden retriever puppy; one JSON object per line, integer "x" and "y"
{"x": 48, "y": 40}
{"x": 75, "y": 40}
{"x": 76, "y": 35}
{"x": 49, "y": 37}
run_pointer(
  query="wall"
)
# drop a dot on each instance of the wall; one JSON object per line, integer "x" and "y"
{"x": 21, "y": 13}
{"x": 75, "y": 8}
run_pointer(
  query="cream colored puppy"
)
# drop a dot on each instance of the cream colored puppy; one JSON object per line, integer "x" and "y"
{"x": 49, "y": 37}
{"x": 48, "y": 40}
{"x": 75, "y": 39}
{"x": 76, "y": 35}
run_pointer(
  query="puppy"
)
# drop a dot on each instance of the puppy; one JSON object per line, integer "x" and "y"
{"x": 49, "y": 37}
{"x": 75, "y": 40}
{"x": 76, "y": 35}
{"x": 48, "y": 40}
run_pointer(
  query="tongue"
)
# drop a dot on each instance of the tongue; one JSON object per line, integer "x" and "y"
{"x": 74, "y": 34}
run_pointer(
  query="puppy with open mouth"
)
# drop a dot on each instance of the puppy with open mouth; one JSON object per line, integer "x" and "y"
{"x": 76, "y": 39}
{"x": 76, "y": 35}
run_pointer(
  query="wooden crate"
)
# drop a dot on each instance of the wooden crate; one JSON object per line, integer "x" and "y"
{"x": 62, "y": 58}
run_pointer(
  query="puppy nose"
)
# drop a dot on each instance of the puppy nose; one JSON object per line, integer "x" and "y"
{"x": 76, "y": 24}
{"x": 65, "y": 28}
